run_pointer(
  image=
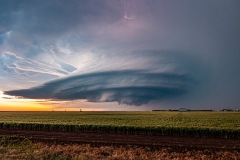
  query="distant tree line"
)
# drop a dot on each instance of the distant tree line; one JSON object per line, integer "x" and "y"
{"x": 198, "y": 110}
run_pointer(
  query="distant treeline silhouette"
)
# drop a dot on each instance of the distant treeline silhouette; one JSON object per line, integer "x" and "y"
{"x": 174, "y": 110}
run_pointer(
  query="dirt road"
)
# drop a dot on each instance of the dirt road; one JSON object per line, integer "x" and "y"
{"x": 123, "y": 139}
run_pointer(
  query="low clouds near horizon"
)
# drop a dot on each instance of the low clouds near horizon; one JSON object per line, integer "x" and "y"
{"x": 124, "y": 87}
{"x": 167, "y": 53}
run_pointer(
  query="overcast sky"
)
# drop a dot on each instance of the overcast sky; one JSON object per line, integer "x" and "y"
{"x": 141, "y": 54}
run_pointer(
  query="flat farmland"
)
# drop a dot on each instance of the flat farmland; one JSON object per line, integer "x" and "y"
{"x": 193, "y": 124}
{"x": 121, "y": 135}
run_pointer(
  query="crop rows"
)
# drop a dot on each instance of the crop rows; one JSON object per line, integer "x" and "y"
{"x": 221, "y": 125}
{"x": 193, "y": 132}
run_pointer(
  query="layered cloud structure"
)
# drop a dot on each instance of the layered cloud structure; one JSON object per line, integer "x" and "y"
{"x": 160, "y": 54}
{"x": 125, "y": 87}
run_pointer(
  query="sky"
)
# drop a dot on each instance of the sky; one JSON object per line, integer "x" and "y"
{"x": 119, "y": 54}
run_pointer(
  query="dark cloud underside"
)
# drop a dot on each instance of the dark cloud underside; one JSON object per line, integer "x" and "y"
{"x": 125, "y": 87}
{"x": 129, "y": 51}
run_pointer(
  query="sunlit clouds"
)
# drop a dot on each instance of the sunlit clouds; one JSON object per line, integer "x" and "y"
{"x": 142, "y": 55}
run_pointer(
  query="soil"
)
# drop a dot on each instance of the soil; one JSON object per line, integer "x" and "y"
{"x": 124, "y": 139}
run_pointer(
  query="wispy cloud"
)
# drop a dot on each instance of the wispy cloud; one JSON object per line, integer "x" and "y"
{"x": 13, "y": 64}
{"x": 24, "y": 70}
{"x": 184, "y": 39}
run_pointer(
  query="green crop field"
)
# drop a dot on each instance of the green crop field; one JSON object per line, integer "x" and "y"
{"x": 197, "y": 124}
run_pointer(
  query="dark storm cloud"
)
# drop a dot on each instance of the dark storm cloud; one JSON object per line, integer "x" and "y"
{"x": 7, "y": 10}
{"x": 52, "y": 18}
{"x": 39, "y": 24}
{"x": 125, "y": 87}
{"x": 200, "y": 39}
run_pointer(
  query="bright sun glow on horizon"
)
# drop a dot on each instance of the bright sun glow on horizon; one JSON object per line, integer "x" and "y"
{"x": 11, "y": 103}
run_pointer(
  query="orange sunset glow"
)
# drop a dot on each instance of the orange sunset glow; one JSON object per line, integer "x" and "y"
{"x": 119, "y": 55}
{"x": 10, "y": 103}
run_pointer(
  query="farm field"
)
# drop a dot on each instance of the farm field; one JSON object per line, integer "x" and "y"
{"x": 120, "y": 135}
{"x": 194, "y": 124}
{"x": 86, "y": 151}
